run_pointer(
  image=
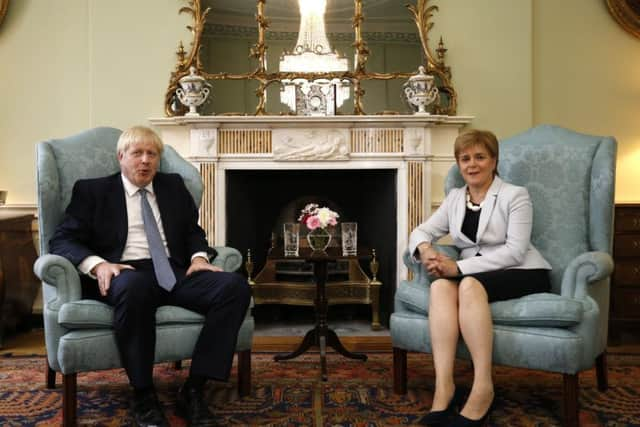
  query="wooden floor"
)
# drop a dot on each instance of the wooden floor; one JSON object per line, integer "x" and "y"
{"x": 32, "y": 342}
{"x": 357, "y": 344}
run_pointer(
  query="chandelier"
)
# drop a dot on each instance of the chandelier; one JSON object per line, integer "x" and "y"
{"x": 313, "y": 53}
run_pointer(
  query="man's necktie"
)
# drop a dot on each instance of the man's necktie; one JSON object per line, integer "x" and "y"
{"x": 164, "y": 273}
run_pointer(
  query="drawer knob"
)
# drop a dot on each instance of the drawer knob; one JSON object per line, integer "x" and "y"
{"x": 636, "y": 222}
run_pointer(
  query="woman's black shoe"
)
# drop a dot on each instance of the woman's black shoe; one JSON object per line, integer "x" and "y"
{"x": 462, "y": 421}
{"x": 442, "y": 418}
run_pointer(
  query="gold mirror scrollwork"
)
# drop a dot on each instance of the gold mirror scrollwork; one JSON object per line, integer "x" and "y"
{"x": 421, "y": 13}
{"x": 4, "y": 5}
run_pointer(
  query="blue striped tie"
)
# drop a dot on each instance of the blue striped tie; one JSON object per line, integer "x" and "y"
{"x": 164, "y": 273}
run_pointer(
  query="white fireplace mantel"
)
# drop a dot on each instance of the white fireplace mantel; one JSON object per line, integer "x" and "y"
{"x": 418, "y": 147}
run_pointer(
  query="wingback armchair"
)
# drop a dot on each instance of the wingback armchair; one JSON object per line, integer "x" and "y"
{"x": 570, "y": 178}
{"x": 78, "y": 332}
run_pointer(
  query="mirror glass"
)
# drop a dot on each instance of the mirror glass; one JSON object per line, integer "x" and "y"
{"x": 394, "y": 47}
{"x": 286, "y": 36}
{"x": 227, "y": 37}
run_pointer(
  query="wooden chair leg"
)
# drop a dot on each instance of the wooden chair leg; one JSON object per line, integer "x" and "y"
{"x": 570, "y": 400}
{"x": 601, "y": 372}
{"x": 244, "y": 373}
{"x": 69, "y": 400}
{"x": 399, "y": 370}
{"x": 50, "y": 377}
{"x": 177, "y": 365}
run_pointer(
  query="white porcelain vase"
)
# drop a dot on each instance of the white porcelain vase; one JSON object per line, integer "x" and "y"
{"x": 420, "y": 91}
{"x": 193, "y": 91}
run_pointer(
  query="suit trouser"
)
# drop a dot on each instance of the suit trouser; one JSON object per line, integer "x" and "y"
{"x": 223, "y": 298}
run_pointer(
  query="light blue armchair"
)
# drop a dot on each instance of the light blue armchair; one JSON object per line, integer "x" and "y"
{"x": 570, "y": 178}
{"x": 78, "y": 333}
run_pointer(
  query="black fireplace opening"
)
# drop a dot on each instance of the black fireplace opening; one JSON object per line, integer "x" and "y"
{"x": 260, "y": 201}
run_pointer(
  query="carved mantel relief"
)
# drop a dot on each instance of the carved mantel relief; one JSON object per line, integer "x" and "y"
{"x": 310, "y": 144}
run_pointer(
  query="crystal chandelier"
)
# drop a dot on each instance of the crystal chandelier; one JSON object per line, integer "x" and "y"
{"x": 313, "y": 53}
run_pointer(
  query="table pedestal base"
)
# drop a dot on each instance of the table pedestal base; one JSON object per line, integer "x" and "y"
{"x": 316, "y": 337}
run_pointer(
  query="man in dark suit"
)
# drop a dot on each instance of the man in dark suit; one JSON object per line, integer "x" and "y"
{"x": 136, "y": 238}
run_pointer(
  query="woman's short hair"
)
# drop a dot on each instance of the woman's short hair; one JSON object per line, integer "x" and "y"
{"x": 473, "y": 137}
{"x": 136, "y": 134}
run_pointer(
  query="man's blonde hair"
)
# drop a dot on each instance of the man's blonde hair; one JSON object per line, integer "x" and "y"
{"x": 136, "y": 134}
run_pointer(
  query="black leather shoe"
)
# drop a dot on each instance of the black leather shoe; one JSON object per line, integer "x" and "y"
{"x": 192, "y": 407}
{"x": 147, "y": 411}
{"x": 443, "y": 418}
{"x": 462, "y": 421}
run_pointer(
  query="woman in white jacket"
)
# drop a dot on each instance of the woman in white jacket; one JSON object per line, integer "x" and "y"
{"x": 490, "y": 222}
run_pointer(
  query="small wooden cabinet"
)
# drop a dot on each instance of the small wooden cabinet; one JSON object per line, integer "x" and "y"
{"x": 625, "y": 285}
{"x": 18, "y": 284}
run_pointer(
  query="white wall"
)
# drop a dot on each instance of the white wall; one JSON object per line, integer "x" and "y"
{"x": 587, "y": 78}
{"x": 74, "y": 64}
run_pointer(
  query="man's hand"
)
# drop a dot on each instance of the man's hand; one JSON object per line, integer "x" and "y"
{"x": 105, "y": 271}
{"x": 199, "y": 264}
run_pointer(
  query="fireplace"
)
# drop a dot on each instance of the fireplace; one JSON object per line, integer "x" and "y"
{"x": 385, "y": 172}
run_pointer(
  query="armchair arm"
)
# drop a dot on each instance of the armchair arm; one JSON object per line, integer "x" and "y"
{"x": 229, "y": 259}
{"x": 58, "y": 272}
{"x": 583, "y": 270}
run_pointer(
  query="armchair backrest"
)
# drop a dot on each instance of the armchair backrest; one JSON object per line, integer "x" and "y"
{"x": 89, "y": 154}
{"x": 571, "y": 179}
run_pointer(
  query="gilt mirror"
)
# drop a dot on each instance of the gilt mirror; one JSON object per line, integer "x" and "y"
{"x": 259, "y": 56}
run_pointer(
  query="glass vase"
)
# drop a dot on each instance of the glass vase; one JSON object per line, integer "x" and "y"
{"x": 319, "y": 239}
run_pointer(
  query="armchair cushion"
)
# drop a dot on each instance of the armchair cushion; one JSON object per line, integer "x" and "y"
{"x": 540, "y": 310}
{"x": 91, "y": 314}
{"x": 536, "y": 310}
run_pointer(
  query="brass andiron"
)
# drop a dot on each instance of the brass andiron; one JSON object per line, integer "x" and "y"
{"x": 375, "y": 294}
{"x": 374, "y": 266}
{"x": 249, "y": 266}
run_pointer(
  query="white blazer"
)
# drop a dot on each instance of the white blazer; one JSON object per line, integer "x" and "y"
{"x": 504, "y": 230}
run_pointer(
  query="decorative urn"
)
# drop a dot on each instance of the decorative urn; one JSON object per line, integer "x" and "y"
{"x": 420, "y": 91}
{"x": 193, "y": 91}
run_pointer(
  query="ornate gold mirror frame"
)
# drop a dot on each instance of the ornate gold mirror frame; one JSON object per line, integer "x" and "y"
{"x": 4, "y": 5}
{"x": 627, "y": 14}
{"x": 421, "y": 13}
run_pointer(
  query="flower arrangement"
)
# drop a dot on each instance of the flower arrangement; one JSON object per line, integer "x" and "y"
{"x": 313, "y": 216}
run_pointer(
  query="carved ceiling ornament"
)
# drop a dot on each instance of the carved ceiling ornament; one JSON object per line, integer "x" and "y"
{"x": 627, "y": 14}
{"x": 421, "y": 13}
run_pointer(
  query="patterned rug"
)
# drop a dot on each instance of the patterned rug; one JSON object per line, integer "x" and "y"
{"x": 290, "y": 394}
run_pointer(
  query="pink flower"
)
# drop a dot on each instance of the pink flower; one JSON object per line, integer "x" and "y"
{"x": 313, "y": 222}
{"x": 332, "y": 221}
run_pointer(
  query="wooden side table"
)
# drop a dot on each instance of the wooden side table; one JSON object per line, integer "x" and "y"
{"x": 18, "y": 284}
{"x": 320, "y": 335}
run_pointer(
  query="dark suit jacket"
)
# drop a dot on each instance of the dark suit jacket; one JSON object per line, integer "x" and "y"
{"x": 95, "y": 221}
